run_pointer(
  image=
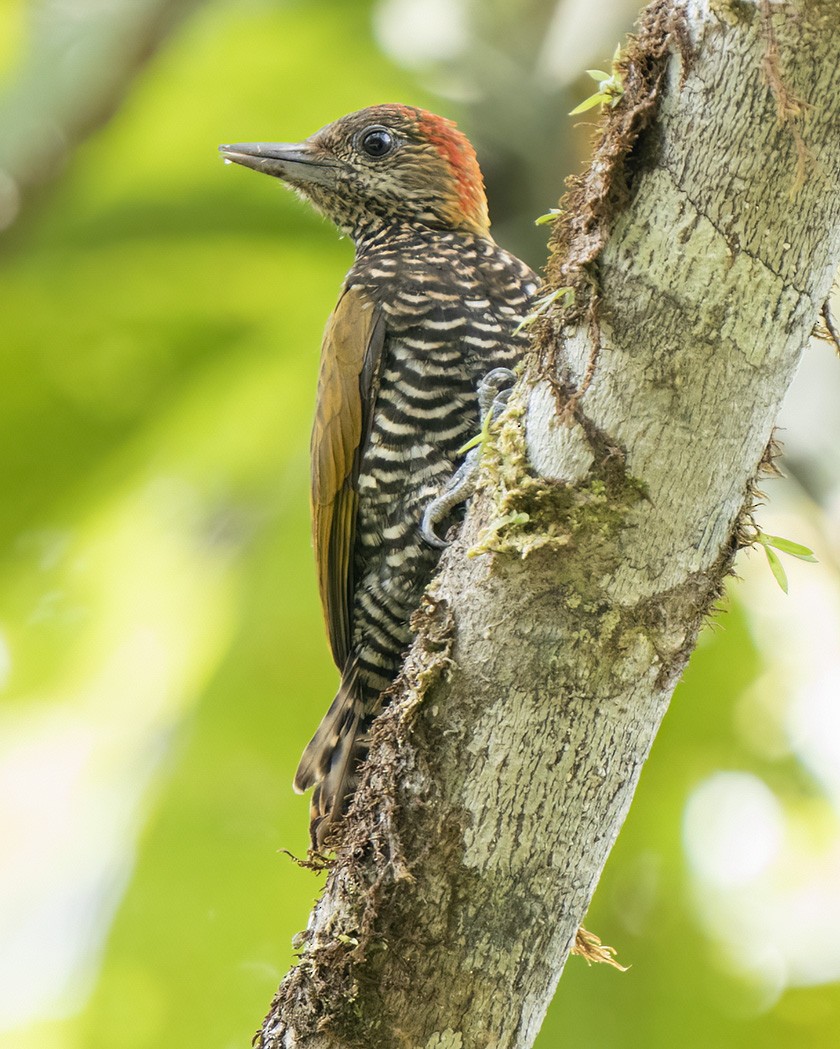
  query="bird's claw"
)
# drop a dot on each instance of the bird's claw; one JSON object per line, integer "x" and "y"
{"x": 495, "y": 384}
{"x": 493, "y": 394}
{"x": 458, "y": 489}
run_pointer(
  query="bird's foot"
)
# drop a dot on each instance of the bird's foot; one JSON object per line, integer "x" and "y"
{"x": 458, "y": 489}
{"x": 493, "y": 393}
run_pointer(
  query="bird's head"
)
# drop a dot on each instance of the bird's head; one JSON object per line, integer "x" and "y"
{"x": 381, "y": 165}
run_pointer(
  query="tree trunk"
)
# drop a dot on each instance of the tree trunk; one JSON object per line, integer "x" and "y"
{"x": 700, "y": 247}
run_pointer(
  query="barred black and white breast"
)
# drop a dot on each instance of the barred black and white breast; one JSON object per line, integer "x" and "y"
{"x": 451, "y": 305}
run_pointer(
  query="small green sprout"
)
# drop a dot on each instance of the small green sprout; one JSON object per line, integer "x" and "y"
{"x": 543, "y": 304}
{"x": 549, "y": 216}
{"x": 480, "y": 437}
{"x": 610, "y": 87}
{"x": 771, "y": 543}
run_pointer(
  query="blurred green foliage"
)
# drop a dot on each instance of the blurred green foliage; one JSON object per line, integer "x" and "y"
{"x": 161, "y": 323}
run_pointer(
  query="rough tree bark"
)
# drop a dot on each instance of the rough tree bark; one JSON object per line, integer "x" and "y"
{"x": 701, "y": 245}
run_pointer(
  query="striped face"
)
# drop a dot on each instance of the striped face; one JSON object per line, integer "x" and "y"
{"x": 405, "y": 162}
{"x": 384, "y": 164}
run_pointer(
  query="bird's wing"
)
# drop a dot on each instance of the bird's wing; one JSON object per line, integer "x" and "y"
{"x": 347, "y": 385}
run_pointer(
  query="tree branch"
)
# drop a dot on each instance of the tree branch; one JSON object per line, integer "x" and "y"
{"x": 700, "y": 248}
{"x": 77, "y": 71}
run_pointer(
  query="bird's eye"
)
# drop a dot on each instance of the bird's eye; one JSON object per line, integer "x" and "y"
{"x": 377, "y": 142}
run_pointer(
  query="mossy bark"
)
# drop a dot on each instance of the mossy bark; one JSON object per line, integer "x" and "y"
{"x": 701, "y": 245}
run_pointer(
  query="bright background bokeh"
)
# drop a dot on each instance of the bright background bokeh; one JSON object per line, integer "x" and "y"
{"x": 162, "y": 659}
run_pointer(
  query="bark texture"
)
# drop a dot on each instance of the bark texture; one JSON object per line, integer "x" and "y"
{"x": 701, "y": 245}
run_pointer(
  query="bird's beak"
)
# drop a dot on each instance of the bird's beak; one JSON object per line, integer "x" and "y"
{"x": 297, "y": 162}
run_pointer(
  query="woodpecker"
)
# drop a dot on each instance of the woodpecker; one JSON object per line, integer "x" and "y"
{"x": 429, "y": 307}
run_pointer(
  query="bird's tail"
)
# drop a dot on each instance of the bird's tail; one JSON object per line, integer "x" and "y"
{"x": 332, "y": 756}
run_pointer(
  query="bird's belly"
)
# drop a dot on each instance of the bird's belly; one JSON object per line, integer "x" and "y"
{"x": 393, "y": 564}
{"x": 426, "y": 408}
